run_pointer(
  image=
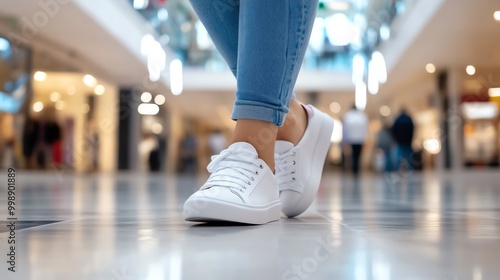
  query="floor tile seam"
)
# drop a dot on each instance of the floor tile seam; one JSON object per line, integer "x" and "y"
{"x": 337, "y": 222}
{"x": 46, "y": 225}
{"x": 473, "y": 215}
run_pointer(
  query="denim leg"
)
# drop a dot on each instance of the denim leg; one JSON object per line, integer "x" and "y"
{"x": 273, "y": 37}
{"x": 221, "y": 18}
{"x": 408, "y": 156}
{"x": 388, "y": 160}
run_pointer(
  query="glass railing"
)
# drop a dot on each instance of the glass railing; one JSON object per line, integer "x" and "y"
{"x": 342, "y": 29}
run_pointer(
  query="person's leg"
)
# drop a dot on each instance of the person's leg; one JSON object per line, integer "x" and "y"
{"x": 399, "y": 157}
{"x": 272, "y": 42}
{"x": 295, "y": 123}
{"x": 388, "y": 160}
{"x": 272, "y": 39}
{"x": 408, "y": 156}
{"x": 356, "y": 154}
{"x": 354, "y": 162}
{"x": 221, "y": 19}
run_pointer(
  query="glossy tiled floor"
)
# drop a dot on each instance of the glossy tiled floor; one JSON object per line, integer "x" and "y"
{"x": 124, "y": 227}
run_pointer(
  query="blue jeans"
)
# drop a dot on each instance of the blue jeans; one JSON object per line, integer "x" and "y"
{"x": 264, "y": 43}
{"x": 404, "y": 157}
{"x": 388, "y": 160}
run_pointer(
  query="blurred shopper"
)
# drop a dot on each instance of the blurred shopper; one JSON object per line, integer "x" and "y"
{"x": 148, "y": 148}
{"x": 189, "y": 154}
{"x": 385, "y": 143}
{"x": 355, "y": 129}
{"x": 30, "y": 136}
{"x": 402, "y": 132}
{"x": 42, "y": 143}
{"x": 264, "y": 43}
{"x": 154, "y": 159}
{"x": 53, "y": 141}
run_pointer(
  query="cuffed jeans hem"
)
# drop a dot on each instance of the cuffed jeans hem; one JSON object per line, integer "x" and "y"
{"x": 251, "y": 112}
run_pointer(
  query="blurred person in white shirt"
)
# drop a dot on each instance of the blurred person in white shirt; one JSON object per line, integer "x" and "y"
{"x": 355, "y": 130}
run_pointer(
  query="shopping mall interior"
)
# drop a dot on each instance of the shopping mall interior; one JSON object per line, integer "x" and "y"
{"x": 111, "y": 110}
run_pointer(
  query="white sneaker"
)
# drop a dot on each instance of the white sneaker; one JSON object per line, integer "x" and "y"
{"x": 299, "y": 168}
{"x": 241, "y": 189}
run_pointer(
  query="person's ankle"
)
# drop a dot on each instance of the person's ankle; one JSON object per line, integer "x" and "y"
{"x": 295, "y": 124}
{"x": 261, "y": 135}
{"x": 264, "y": 154}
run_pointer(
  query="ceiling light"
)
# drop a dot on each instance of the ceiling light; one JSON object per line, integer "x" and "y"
{"x": 55, "y": 96}
{"x": 385, "y": 32}
{"x": 147, "y": 42}
{"x": 60, "y": 105}
{"x": 385, "y": 111}
{"x": 430, "y": 68}
{"x": 360, "y": 96}
{"x": 148, "y": 109}
{"x": 373, "y": 85}
{"x": 380, "y": 67}
{"x": 141, "y": 4}
{"x": 340, "y": 30}
{"x": 40, "y": 76}
{"x": 160, "y": 99}
{"x": 432, "y": 146}
{"x": 335, "y": 107}
{"x": 89, "y": 80}
{"x": 99, "y": 90}
{"x": 176, "y": 78}
{"x": 156, "y": 61}
{"x": 4, "y": 44}
{"x": 38, "y": 106}
{"x": 471, "y": 70}
{"x": 494, "y": 92}
{"x": 146, "y": 97}
{"x": 496, "y": 15}
{"x": 162, "y": 14}
{"x": 358, "y": 68}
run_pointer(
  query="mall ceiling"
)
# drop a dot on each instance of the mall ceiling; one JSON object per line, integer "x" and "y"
{"x": 74, "y": 35}
{"x": 451, "y": 33}
{"x": 461, "y": 33}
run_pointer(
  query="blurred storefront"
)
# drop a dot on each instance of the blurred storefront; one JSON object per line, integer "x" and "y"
{"x": 52, "y": 116}
{"x": 481, "y": 129}
{"x": 85, "y": 109}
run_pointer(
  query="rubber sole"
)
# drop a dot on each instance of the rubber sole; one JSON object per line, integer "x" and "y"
{"x": 209, "y": 210}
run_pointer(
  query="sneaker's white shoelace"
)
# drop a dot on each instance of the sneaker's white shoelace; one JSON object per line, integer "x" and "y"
{"x": 233, "y": 168}
{"x": 285, "y": 168}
